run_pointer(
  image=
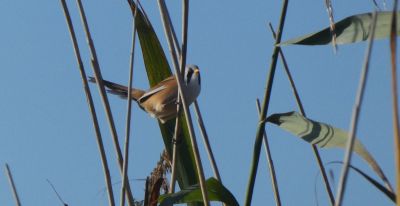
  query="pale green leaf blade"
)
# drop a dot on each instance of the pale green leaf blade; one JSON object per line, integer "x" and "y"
{"x": 349, "y": 30}
{"x": 216, "y": 192}
{"x": 322, "y": 135}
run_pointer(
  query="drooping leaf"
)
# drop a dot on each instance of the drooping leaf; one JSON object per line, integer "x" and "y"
{"x": 216, "y": 192}
{"x": 158, "y": 69}
{"x": 395, "y": 108}
{"x": 349, "y": 30}
{"x": 371, "y": 180}
{"x": 324, "y": 136}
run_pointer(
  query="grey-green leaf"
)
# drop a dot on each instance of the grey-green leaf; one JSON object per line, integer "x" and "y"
{"x": 350, "y": 30}
{"x": 324, "y": 136}
{"x": 216, "y": 192}
{"x": 371, "y": 180}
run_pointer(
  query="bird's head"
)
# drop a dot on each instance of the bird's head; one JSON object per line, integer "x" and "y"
{"x": 192, "y": 81}
{"x": 192, "y": 75}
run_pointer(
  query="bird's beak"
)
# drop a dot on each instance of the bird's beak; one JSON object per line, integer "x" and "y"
{"x": 196, "y": 71}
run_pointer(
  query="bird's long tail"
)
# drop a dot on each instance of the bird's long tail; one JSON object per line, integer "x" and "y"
{"x": 120, "y": 90}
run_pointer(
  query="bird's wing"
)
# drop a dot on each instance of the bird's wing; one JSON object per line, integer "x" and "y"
{"x": 170, "y": 93}
{"x": 151, "y": 93}
{"x": 156, "y": 89}
{"x": 166, "y": 80}
{"x": 170, "y": 100}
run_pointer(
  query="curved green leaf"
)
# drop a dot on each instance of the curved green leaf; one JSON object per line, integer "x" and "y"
{"x": 322, "y": 135}
{"x": 158, "y": 69}
{"x": 349, "y": 30}
{"x": 216, "y": 192}
{"x": 371, "y": 180}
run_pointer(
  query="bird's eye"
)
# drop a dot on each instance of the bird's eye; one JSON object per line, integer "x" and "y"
{"x": 189, "y": 76}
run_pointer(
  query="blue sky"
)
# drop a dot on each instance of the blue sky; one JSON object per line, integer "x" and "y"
{"x": 46, "y": 131}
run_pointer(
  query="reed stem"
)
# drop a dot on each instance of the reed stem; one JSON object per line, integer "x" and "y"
{"x": 89, "y": 100}
{"x": 128, "y": 113}
{"x": 13, "y": 187}
{"x": 167, "y": 30}
{"x": 198, "y": 113}
{"x": 270, "y": 162}
{"x": 175, "y": 148}
{"x": 395, "y": 103}
{"x": 102, "y": 91}
{"x": 354, "y": 118}
{"x": 301, "y": 108}
{"x": 264, "y": 109}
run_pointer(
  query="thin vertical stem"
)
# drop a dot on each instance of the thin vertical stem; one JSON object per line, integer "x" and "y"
{"x": 89, "y": 100}
{"x": 12, "y": 184}
{"x": 329, "y": 9}
{"x": 206, "y": 141}
{"x": 167, "y": 30}
{"x": 185, "y": 25}
{"x": 264, "y": 110}
{"x": 128, "y": 113}
{"x": 270, "y": 163}
{"x": 355, "y": 115}
{"x": 207, "y": 144}
{"x": 182, "y": 63}
{"x": 174, "y": 37}
{"x": 301, "y": 108}
{"x": 102, "y": 91}
{"x": 289, "y": 75}
{"x": 197, "y": 110}
{"x": 395, "y": 103}
{"x": 188, "y": 118}
{"x": 176, "y": 137}
{"x": 175, "y": 151}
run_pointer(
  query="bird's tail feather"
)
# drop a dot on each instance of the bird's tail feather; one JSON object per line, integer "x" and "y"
{"x": 120, "y": 90}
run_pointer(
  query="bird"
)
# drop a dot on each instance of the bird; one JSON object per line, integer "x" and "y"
{"x": 160, "y": 101}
